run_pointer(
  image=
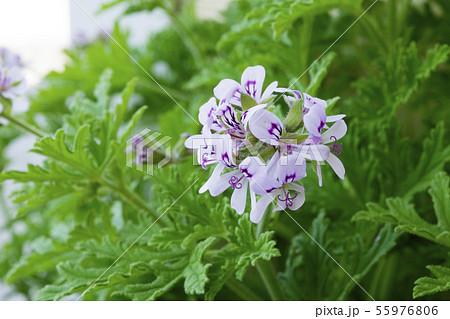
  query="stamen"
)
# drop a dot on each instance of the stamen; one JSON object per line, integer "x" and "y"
{"x": 289, "y": 200}
{"x": 234, "y": 182}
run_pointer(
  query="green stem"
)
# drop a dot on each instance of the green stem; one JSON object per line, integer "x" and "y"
{"x": 187, "y": 38}
{"x": 26, "y": 126}
{"x": 267, "y": 274}
{"x": 242, "y": 290}
{"x": 305, "y": 42}
{"x": 392, "y": 24}
{"x": 134, "y": 200}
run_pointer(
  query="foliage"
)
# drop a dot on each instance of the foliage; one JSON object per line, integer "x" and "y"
{"x": 88, "y": 226}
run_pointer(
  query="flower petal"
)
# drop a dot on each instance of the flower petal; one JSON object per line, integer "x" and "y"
{"x": 222, "y": 182}
{"x": 291, "y": 168}
{"x": 311, "y": 101}
{"x": 299, "y": 199}
{"x": 334, "y": 118}
{"x": 315, "y": 119}
{"x": 224, "y": 87}
{"x": 315, "y": 152}
{"x": 215, "y": 174}
{"x": 258, "y": 210}
{"x": 319, "y": 173}
{"x": 206, "y": 113}
{"x": 266, "y": 126}
{"x": 337, "y": 131}
{"x": 252, "y": 81}
{"x": 268, "y": 91}
{"x": 336, "y": 165}
{"x": 239, "y": 197}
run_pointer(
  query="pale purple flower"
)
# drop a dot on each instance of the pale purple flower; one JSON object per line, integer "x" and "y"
{"x": 8, "y": 58}
{"x": 277, "y": 182}
{"x": 272, "y": 174}
{"x": 252, "y": 81}
{"x": 140, "y": 151}
{"x": 12, "y": 82}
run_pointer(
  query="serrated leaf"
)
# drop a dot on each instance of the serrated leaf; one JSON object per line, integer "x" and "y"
{"x": 428, "y": 285}
{"x": 403, "y": 214}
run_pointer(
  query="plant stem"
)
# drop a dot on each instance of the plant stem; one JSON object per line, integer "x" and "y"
{"x": 242, "y": 290}
{"x": 26, "y": 126}
{"x": 187, "y": 38}
{"x": 134, "y": 200}
{"x": 267, "y": 274}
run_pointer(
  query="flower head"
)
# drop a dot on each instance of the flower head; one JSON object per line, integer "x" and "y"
{"x": 12, "y": 82}
{"x": 8, "y": 58}
{"x": 255, "y": 152}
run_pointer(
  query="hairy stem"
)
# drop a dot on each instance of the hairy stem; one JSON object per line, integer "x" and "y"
{"x": 242, "y": 290}
{"x": 24, "y": 125}
{"x": 133, "y": 199}
{"x": 267, "y": 274}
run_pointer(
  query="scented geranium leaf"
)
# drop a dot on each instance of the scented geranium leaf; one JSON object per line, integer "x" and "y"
{"x": 402, "y": 73}
{"x": 196, "y": 272}
{"x": 102, "y": 90}
{"x": 79, "y": 276}
{"x": 56, "y": 292}
{"x": 78, "y": 158}
{"x": 40, "y": 261}
{"x": 53, "y": 172}
{"x": 76, "y": 279}
{"x": 302, "y": 8}
{"x": 361, "y": 259}
{"x": 246, "y": 249}
{"x": 308, "y": 265}
{"x": 428, "y": 285}
{"x": 435, "y": 153}
{"x": 440, "y": 193}
{"x": 317, "y": 73}
{"x": 170, "y": 269}
{"x": 400, "y": 212}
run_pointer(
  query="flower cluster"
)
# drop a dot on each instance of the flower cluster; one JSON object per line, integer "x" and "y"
{"x": 12, "y": 82}
{"x": 255, "y": 151}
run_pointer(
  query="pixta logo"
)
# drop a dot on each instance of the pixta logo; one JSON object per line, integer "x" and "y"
{"x": 148, "y": 150}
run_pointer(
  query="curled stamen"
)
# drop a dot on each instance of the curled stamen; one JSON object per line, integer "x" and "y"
{"x": 336, "y": 148}
{"x": 234, "y": 182}
{"x": 289, "y": 200}
{"x": 205, "y": 160}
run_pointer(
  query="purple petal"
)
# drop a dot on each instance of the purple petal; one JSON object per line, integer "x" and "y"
{"x": 334, "y": 118}
{"x": 252, "y": 81}
{"x": 315, "y": 119}
{"x": 337, "y": 131}
{"x": 291, "y": 168}
{"x": 224, "y": 87}
{"x": 336, "y": 165}
{"x": 239, "y": 197}
{"x": 206, "y": 114}
{"x": 266, "y": 126}
{"x": 310, "y": 101}
{"x": 258, "y": 210}
{"x": 268, "y": 91}
{"x": 215, "y": 174}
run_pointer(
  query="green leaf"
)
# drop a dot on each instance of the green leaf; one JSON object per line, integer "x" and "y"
{"x": 318, "y": 71}
{"x": 299, "y": 9}
{"x": 403, "y": 214}
{"x": 427, "y": 285}
{"x": 195, "y": 272}
{"x": 78, "y": 157}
